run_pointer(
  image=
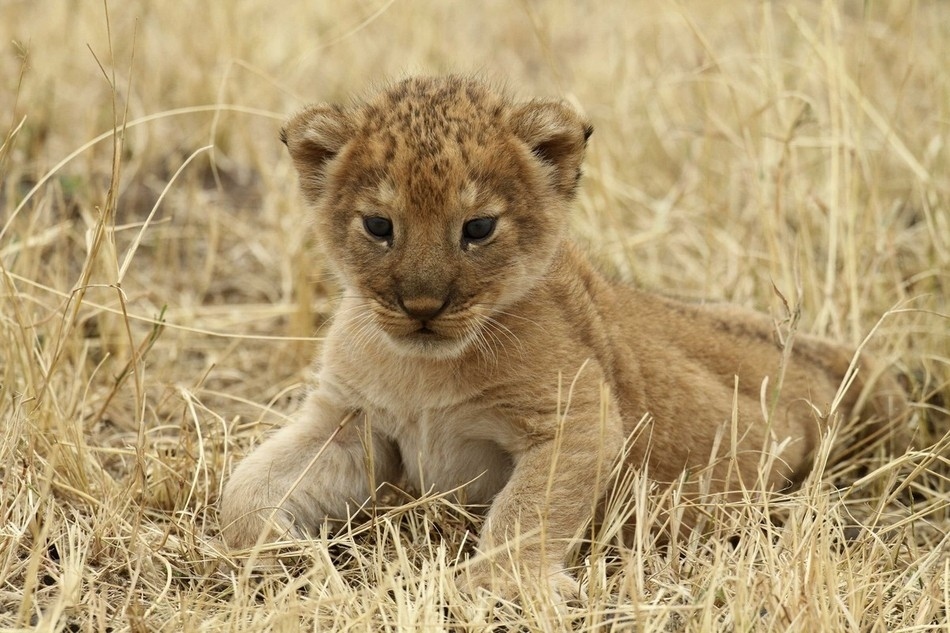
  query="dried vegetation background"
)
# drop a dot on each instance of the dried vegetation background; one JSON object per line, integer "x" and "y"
{"x": 159, "y": 299}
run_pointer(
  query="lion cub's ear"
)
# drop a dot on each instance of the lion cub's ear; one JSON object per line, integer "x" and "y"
{"x": 314, "y": 136}
{"x": 557, "y": 134}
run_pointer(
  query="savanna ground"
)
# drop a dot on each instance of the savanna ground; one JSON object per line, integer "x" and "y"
{"x": 159, "y": 300}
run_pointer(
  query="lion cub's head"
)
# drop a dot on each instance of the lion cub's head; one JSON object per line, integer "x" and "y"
{"x": 439, "y": 201}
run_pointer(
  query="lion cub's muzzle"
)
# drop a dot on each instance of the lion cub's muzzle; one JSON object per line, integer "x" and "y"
{"x": 427, "y": 324}
{"x": 423, "y": 308}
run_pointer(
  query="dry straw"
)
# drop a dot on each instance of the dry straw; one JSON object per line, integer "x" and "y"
{"x": 159, "y": 300}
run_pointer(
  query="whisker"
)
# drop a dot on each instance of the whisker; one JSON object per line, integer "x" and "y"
{"x": 486, "y": 350}
{"x": 366, "y": 333}
{"x": 515, "y": 316}
{"x": 506, "y": 331}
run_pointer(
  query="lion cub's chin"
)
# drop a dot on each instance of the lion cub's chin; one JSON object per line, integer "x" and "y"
{"x": 427, "y": 345}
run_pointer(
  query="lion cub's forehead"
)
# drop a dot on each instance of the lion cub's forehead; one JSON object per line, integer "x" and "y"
{"x": 444, "y": 103}
{"x": 427, "y": 142}
{"x": 386, "y": 194}
{"x": 437, "y": 110}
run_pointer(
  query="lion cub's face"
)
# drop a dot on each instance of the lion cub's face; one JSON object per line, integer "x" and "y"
{"x": 440, "y": 203}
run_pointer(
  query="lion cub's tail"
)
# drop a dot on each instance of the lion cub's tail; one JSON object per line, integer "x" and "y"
{"x": 881, "y": 402}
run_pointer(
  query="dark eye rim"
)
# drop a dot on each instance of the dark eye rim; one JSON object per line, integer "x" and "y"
{"x": 485, "y": 227}
{"x": 378, "y": 227}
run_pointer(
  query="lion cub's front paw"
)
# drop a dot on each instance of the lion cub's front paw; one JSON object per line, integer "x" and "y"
{"x": 504, "y": 583}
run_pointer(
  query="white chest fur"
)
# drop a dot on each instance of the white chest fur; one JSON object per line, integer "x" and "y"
{"x": 440, "y": 456}
{"x": 435, "y": 413}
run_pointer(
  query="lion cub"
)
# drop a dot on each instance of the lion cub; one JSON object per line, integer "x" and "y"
{"x": 475, "y": 347}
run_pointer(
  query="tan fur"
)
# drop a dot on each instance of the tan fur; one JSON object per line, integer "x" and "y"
{"x": 534, "y": 368}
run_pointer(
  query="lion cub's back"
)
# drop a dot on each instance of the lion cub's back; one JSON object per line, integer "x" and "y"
{"x": 694, "y": 362}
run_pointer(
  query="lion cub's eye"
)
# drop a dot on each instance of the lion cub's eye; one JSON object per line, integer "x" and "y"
{"x": 378, "y": 227}
{"x": 478, "y": 229}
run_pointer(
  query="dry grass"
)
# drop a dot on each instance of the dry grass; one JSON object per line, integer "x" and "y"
{"x": 158, "y": 301}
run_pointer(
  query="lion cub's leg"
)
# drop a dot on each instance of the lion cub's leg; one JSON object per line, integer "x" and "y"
{"x": 552, "y": 492}
{"x": 313, "y": 469}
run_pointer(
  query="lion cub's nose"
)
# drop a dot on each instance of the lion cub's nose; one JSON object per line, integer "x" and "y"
{"x": 423, "y": 308}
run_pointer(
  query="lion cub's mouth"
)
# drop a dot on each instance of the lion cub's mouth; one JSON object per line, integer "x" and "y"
{"x": 426, "y": 331}
{"x": 443, "y": 334}
{"x": 433, "y": 338}
{"x": 426, "y": 334}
